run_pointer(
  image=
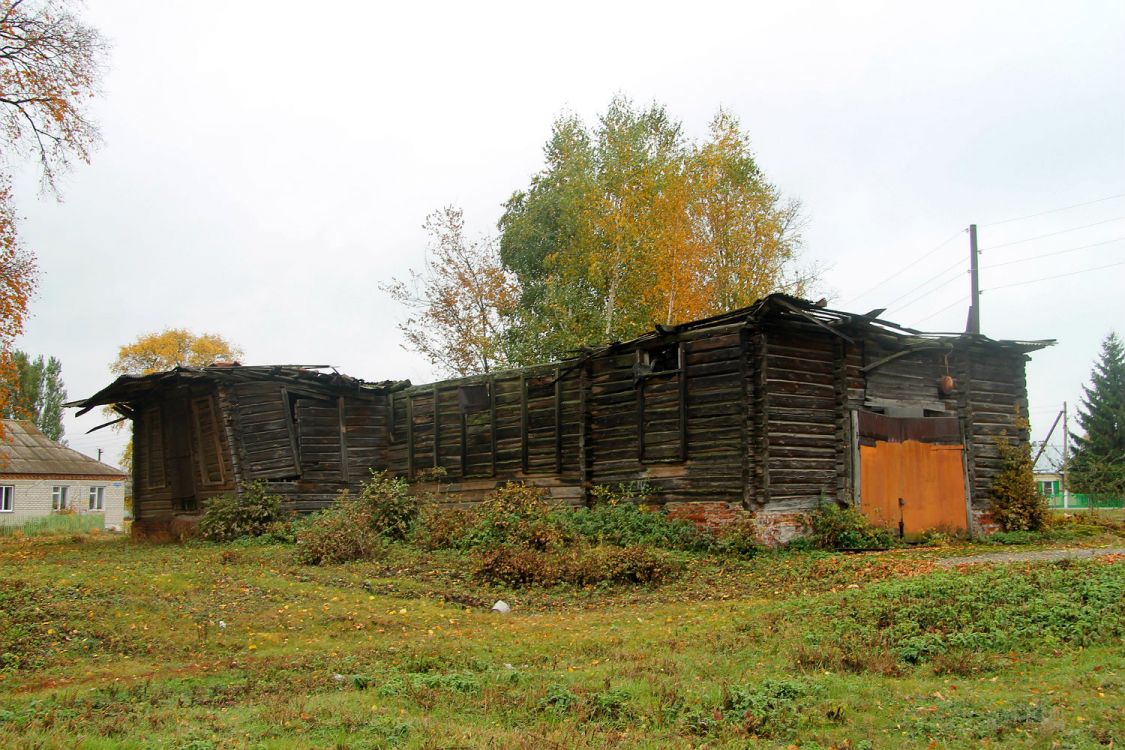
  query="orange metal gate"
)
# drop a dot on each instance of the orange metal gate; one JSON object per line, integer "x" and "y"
{"x": 904, "y": 480}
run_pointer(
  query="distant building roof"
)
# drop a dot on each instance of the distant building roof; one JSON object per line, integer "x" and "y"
{"x": 26, "y": 450}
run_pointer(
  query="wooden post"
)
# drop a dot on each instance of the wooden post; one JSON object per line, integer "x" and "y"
{"x": 523, "y": 422}
{"x": 345, "y": 470}
{"x": 639, "y": 387}
{"x": 974, "y": 272}
{"x": 583, "y": 432}
{"x": 437, "y": 427}
{"x": 464, "y": 446}
{"x": 682, "y": 357}
{"x": 492, "y": 420}
{"x": 745, "y": 415}
{"x": 410, "y": 435}
{"x": 558, "y": 422}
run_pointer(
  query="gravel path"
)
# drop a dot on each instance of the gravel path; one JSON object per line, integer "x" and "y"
{"x": 1040, "y": 555}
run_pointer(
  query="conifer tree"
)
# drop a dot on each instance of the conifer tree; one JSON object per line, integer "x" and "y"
{"x": 1098, "y": 465}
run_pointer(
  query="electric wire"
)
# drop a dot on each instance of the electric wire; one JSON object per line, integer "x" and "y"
{"x": 1054, "y": 210}
{"x": 1055, "y": 276}
{"x": 935, "y": 277}
{"x": 1056, "y": 252}
{"x": 907, "y": 267}
{"x": 938, "y": 312}
{"x": 1051, "y": 234}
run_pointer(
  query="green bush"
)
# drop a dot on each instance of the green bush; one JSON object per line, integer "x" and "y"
{"x": 341, "y": 533}
{"x": 836, "y": 527}
{"x": 250, "y": 512}
{"x": 739, "y": 539}
{"x": 580, "y": 566}
{"x": 625, "y": 523}
{"x": 1016, "y": 502}
{"x": 392, "y": 510}
{"x": 769, "y": 709}
{"x": 513, "y": 514}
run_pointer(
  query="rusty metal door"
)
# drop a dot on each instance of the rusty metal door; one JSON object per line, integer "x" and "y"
{"x": 912, "y": 473}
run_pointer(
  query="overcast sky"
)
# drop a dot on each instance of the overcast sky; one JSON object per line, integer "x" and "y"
{"x": 267, "y": 165}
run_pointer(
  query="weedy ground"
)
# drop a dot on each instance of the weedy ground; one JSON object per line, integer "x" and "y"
{"x": 106, "y": 642}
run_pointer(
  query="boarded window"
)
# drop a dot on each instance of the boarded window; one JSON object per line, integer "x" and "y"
{"x": 540, "y": 422}
{"x": 661, "y": 407}
{"x": 266, "y": 428}
{"x": 152, "y": 449}
{"x": 473, "y": 398}
{"x": 208, "y": 446}
{"x": 318, "y": 437}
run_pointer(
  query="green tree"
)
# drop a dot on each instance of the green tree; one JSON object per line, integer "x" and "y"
{"x": 629, "y": 224}
{"x": 1098, "y": 463}
{"x": 38, "y": 393}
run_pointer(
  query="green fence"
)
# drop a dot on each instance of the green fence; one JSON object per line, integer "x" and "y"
{"x": 1074, "y": 501}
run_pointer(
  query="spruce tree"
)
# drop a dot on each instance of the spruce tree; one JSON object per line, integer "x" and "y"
{"x": 1098, "y": 465}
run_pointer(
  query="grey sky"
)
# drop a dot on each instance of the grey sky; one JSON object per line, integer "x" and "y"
{"x": 267, "y": 164}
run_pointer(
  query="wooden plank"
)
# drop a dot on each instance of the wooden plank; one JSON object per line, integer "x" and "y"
{"x": 410, "y": 435}
{"x": 523, "y": 421}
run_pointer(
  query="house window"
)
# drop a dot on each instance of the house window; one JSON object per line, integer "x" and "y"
{"x": 58, "y": 498}
{"x": 7, "y": 495}
{"x": 97, "y": 498}
{"x": 1049, "y": 487}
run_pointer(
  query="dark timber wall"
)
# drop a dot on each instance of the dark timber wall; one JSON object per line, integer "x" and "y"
{"x": 751, "y": 411}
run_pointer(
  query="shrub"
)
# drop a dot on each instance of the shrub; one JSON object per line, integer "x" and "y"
{"x": 391, "y": 508}
{"x": 836, "y": 527}
{"x": 513, "y": 514}
{"x": 341, "y": 533}
{"x": 739, "y": 539}
{"x": 581, "y": 566}
{"x": 593, "y": 565}
{"x": 440, "y": 527}
{"x": 624, "y": 523}
{"x": 769, "y": 709}
{"x": 1016, "y": 502}
{"x": 247, "y": 513}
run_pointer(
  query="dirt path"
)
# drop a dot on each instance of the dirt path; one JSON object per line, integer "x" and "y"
{"x": 1036, "y": 556}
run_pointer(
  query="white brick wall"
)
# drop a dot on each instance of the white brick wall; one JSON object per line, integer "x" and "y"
{"x": 31, "y": 498}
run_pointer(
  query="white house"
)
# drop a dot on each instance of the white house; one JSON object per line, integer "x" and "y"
{"x": 39, "y": 477}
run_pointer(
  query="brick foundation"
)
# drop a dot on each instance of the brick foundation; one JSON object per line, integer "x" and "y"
{"x": 710, "y": 515}
{"x": 776, "y": 529}
{"x": 983, "y": 523}
{"x": 771, "y": 529}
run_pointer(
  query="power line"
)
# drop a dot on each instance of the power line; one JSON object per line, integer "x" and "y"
{"x": 906, "y": 268}
{"x": 1055, "y": 210}
{"x": 1057, "y": 252}
{"x": 1052, "y": 234}
{"x": 1055, "y": 276}
{"x": 963, "y": 299}
{"x": 943, "y": 285}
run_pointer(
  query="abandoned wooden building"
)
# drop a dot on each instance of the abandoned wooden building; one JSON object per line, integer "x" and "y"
{"x": 770, "y": 410}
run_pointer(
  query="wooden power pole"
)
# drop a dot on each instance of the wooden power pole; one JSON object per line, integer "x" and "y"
{"x": 974, "y": 270}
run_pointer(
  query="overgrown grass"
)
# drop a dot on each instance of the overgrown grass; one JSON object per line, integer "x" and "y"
{"x": 120, "y": 644}
{"x": 55, "y": 524}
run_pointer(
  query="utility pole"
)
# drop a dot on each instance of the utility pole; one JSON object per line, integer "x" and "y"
{"x": 1066, "y": 455}
{"x": 974, "y": 270}
{"x": 99, "y": 454}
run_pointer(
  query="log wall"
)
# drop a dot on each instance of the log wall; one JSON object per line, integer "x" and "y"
{"x": 712, "y": 421}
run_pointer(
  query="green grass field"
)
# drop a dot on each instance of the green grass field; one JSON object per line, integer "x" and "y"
{"x": 105, "y": 642}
